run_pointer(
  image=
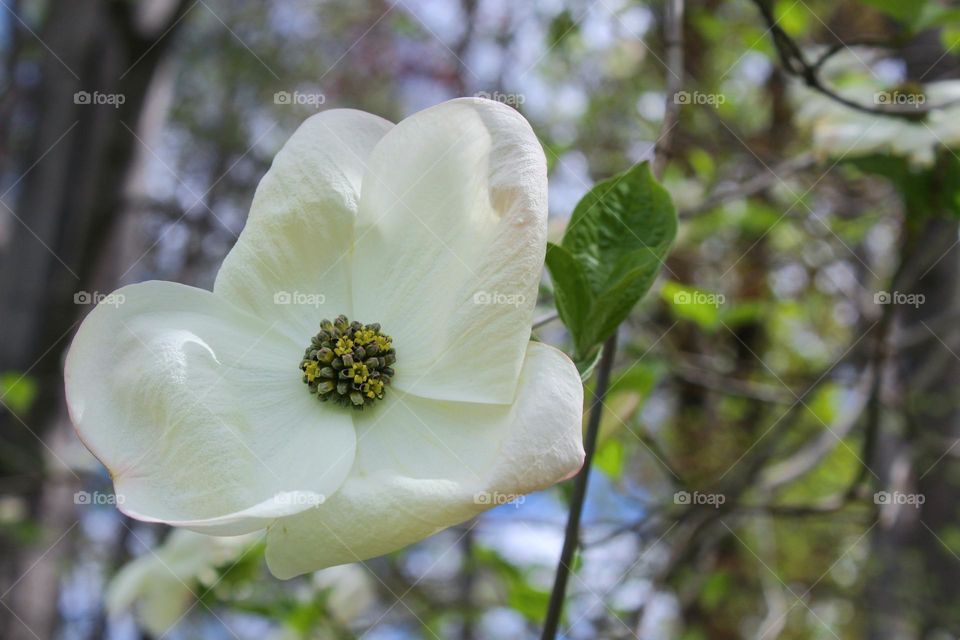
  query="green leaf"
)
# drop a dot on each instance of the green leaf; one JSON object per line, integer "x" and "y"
{"x": 615, "y": 303}
{"x": 924, "y": 191}
{"x": 950, "y": 37}
{"x": 561, "y": 27}
{"x": 937, "y": 16}
{"x": 715, "y": 589}
{"x": 619, "y": 217}
{"x": 18, "y": 391}
{"x": 793, "y": 17}
{"x": 522, "y": 596}
{"x": 586, "y": 364}
{"x": 695, "y": 305}
{"x": 906, "y": 12}
{"x": 610, "y": 255}
{"x": 571, "y": 291}
{"x": 702, "y": 162}
{"x": 610, "y": 458}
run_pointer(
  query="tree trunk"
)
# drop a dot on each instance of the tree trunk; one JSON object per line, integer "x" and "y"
{"x": 99, "y": 61}
{"x": 912, "y": 585}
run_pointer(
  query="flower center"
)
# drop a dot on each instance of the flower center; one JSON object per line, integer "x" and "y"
{"x": 348, "y": 362}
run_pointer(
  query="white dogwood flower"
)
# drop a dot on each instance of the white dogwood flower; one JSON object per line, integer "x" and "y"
{"x": 241, "y": 409}
{"x": 162, "y": 585}
{"x": 839, "y": 131}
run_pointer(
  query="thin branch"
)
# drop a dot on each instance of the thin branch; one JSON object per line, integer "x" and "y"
{"x": 813, "y": 453}
{"x": 762, "y": 181}
{"x": 731, "y": 386}
{"x": 673, "y": 33}
{"x": 795, "y": 63}
{"x": 545, "y": 320}
{"x": 837, "y": 47}
{"x": 572, "y": 536}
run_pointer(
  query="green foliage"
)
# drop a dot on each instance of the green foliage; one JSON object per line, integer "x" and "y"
{"x": 950, "y": 539}
{"x": 692, "y": 304}
{"x": 703, "y": 164}
{"x": 715, "y": 589}
{"x": 612, "y": 250}
{"x": 929, "y": 191}
{"x": 906, "y": 12}
{"x": 626, "y": 396}
{"x": 561, "y": 27}
{"x": 918, "y": 15}
{"x": 523, "y": 597}
{"x": 610, "y": 458}
{"x": 950, "y": 36}
{"x": 937, "y": 15}
{"x": 17, "y": 391}
{"x": 793, "y": 17}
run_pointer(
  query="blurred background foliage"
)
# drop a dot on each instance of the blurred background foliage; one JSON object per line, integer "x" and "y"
{"x": 768, "y": 404}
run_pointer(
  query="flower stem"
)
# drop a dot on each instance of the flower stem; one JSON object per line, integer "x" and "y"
{"x": 572, "y": 536}
{"x": 673, "y": 29}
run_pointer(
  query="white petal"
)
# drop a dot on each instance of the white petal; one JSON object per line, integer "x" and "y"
{"x": 291, "y": 263}
{"x": 450, "y": 241}
{"x": 423, "y": 465}
{"x": 198, "y": 410}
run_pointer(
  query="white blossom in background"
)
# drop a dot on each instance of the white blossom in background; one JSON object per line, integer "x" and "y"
{"x": 162, "y": 585}
{"x": 839, "y": 131}
{"x": 351, "y": 591}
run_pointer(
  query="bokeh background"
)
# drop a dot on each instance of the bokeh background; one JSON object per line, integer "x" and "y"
{"x": 777, "y": 454}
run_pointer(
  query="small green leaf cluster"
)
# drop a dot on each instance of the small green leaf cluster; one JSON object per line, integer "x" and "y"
{"x": 613, "y": 248}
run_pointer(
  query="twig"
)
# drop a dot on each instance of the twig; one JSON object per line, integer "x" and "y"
{"x": 814, "y": 452}
{"x": 467, "y": 580}
{"x": 746, "y": 188}
{"x": 837, "y": 47}
{"x": 673, "y": 33}
{"x": 572, "y": 535}
{"x": 795, "y": 63}
{"x": 545, "y": 320}
{"x": 731, "y": 386}
{"x": 879, "y": 359}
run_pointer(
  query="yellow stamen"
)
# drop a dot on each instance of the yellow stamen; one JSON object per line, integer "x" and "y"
{"x": 364, "y": 336}
{"x": 344, "y": 346}
{"x": 360, "y": 373}
{"x": 373, "y": 388}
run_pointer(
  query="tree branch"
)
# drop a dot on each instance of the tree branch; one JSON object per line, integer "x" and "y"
{"x": 673, "y": 35}
{"x": 795, "y": 63}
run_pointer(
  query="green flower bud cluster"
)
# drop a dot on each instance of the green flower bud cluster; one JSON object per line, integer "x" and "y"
{"x": 348, "y": 362}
